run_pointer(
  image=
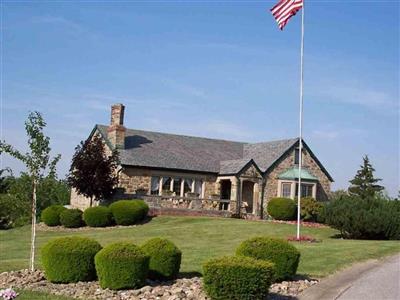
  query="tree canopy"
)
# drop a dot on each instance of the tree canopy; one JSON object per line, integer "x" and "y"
{"x": 37, "y": 161}
{"x": 93, "y": 172}
{"x": 364, "y": 183}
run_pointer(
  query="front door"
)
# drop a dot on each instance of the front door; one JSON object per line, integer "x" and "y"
{"x": 248, "y": 196}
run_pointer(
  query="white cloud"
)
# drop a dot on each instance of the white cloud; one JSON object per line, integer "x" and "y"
{"x": 356, "y": 94}
{"x": 72, "y": 27}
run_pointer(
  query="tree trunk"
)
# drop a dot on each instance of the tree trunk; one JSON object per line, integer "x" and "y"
{"x": 91, "y": 201}
{"x": 33, "y": 231}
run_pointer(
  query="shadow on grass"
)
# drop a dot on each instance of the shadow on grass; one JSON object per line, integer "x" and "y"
{"x": 145, "y": 220}
{"x": 336, "y": 236}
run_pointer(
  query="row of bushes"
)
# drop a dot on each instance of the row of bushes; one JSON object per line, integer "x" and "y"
{"x": 123, "y": 212}
{"x": 117, "y": 266}
{"x": 286, "y": 209}
{"x": 259, "y": 262}
{"x": 374, "y": 218}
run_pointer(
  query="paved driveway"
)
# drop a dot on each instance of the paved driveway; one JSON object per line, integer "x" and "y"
{"x": 374, "y": 280}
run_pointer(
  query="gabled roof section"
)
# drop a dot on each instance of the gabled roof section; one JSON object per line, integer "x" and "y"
{"x": 266, "y": 154}
{"x": 235, "y": 166}
{"x": 171, "y": 151}
{"x": 293, "y": 174}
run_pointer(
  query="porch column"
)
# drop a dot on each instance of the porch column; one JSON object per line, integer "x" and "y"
{"x": 256, "y": 198}
{"x": 160, "y": 186}
{"x": 240, "y": 195}
{"x": 203, "y": 189}
{"x": 182, "y": 187}
{"x": 193, "y": 185}
{"x": 234, "y": 194}
{"x": 217, "y": 189}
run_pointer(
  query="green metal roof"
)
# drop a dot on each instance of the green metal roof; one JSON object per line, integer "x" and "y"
{"x": 293, "y": 173}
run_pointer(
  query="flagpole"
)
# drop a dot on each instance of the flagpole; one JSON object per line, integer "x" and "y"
{"x": 300, "y": 120}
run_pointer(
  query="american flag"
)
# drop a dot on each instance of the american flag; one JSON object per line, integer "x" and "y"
{"x": 284, "y": 10}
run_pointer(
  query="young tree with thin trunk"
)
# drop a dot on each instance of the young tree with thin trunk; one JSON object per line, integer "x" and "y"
{"x": 364, "y": 183}
{"x": 93, "y": 172}
{"x": 37, "y": 162}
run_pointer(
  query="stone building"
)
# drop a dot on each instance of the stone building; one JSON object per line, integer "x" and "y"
{"x": 219, "y": 175}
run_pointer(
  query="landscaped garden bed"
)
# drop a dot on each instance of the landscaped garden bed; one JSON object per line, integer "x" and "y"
{"x": 181, "y": 288}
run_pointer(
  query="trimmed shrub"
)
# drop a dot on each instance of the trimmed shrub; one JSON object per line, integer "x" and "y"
{"x": 165, "y": 258}
{"x": 237, "y": 278}
{"x": 282, "y": 208}
{"x": 129, "y": 212}
{"x": 99, "y": 216}
{"x": 310, "y": 209}
{"x": 373, "y": 218}
{"x": 70, "y": 259}
{"x": 284, "y": 255}
{"x": 51, "y": 215}
{"x": 71, "y": 218}
{"x": 121, "y": 266}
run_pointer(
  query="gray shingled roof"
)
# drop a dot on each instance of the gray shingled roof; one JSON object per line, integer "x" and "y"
{"x": 232, "y": 166}
{"x": 180, "y": 152}
{"x": 265, "y": 154}
{"x": 162, "y": 150}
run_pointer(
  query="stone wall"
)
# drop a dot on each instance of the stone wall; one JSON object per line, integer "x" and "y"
{"x": 271, "y": 186}
{"x": 79, "y": 201}
{"x": 131, "y": 180}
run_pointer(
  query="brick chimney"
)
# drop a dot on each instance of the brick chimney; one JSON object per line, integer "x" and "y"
{"x": 116, "y": 130}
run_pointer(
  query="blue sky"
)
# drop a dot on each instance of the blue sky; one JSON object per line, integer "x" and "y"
{"x": 218, "y": 69}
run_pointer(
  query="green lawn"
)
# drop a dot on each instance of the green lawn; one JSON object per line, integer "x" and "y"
{"x": 201, "y": 238}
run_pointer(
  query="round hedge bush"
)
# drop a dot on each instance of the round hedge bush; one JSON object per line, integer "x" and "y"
{"x": 71, "y": 218}
{"x": 99, "y": 216}
{"x": 282, "y": 208}
{"x": 284, "y": 255}
{"x": 237, "y": 278}
{"x": 165, "y": 258}
{"x": 51, "y": 215}
{"x": 121, "y": 266}
{"x": 70, "y": 259}
{"x": 129, "y": 212}
{"x": 310, "y": 209}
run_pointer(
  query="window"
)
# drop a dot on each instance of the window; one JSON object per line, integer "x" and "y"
{"x": 177, "y": 186}
{"x": 198, "y": 187}
{"x": 286, "y": 190}
{"x": 166, "y": 184}
{"x": 296, "y": 156}
{"x": 155, "y": 185}
{"x": 306, "y": 190}
{"x": 187, "y": 186}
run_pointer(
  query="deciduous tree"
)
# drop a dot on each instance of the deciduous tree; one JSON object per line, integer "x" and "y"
{"x": 37, "y": 161}
{"x": 93, "y": 172}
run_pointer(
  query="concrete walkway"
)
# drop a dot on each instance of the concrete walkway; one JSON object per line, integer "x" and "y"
{"x": 372, "y": 280}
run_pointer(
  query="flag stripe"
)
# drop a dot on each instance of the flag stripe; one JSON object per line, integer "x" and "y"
{"x": 284, "y": 6}
{"x": 284, "y": 10}
{"x": 293, "y": 11}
